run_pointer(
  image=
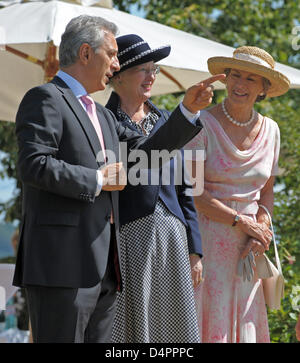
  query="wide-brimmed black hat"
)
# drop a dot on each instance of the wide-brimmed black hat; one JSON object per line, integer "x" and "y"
{"x": 133, "y": 50}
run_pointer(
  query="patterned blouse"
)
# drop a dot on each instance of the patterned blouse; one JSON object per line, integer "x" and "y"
{"x": 146, "y": 124}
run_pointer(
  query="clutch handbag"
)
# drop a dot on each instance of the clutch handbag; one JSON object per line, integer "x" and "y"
{"x": 271, "y": 275}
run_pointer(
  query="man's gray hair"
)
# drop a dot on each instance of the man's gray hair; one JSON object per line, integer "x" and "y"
{"x": 83, "y": 29}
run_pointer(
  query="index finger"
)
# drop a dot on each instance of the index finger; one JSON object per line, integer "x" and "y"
{"x": 210, "y": 80}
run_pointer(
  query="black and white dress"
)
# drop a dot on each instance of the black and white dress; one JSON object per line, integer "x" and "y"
{"x": 157, "y": 302}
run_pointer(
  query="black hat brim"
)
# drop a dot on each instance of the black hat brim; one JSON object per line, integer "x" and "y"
{"x": 154, "y": 55}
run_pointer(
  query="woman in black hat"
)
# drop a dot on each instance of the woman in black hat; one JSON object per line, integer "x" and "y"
{"x": 159, "y": 232}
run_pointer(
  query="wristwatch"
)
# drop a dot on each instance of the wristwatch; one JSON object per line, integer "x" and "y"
{"x": 236, "y": 219}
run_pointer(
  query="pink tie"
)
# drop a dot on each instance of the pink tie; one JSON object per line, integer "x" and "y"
{"x": 91, "y": 111}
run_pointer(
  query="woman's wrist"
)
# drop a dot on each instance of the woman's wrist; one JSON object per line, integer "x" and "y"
{"x": 236, "y": 220}
{"x": 241, "y": 222}
{"x": 263, "y": 220}
{"x": 262, "y": 217}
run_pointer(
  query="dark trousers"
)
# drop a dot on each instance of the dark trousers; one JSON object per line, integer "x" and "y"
{"x": 66, "y": 315}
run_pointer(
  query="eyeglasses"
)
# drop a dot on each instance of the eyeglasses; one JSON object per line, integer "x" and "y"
{"x": 147, "y": 71}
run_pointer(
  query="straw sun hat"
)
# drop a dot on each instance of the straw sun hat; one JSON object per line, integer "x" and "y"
{"x": 256, "y": 61}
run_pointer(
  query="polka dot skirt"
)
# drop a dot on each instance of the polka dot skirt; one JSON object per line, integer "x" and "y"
{"x": 157, "y": 302}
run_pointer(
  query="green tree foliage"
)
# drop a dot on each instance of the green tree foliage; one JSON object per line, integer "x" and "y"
{"x": 8, "y": 160}
{"x": 267, "y": 24}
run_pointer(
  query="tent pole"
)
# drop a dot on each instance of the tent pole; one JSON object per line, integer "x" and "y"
{"x": 168, "y": 75}
{"x": 51, "y": 64}
{"x": 24, "y": 55}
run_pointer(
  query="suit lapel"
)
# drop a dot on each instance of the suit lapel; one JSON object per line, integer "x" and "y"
{"x": 80, "y": 114}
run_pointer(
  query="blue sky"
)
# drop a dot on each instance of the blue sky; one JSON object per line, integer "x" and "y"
{"x": 6, "y": 191}
{"x": 134, "y": 10}
{"x": 7, "y": 187}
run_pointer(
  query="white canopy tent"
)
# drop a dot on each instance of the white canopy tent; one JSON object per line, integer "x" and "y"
{"x": 6, "y": 287}
{"x": 32, "y": 31}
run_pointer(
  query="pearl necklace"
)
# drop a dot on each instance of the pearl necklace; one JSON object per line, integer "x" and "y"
{"x": 231, "y": 119}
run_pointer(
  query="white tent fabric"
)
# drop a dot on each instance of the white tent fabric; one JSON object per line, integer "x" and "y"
{"x": 31, "y": 27}
{"x": 7, "y": 290}
{"x": 102, "y": 3}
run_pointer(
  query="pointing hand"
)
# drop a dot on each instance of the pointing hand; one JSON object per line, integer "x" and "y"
{"x": 200, "y": 95}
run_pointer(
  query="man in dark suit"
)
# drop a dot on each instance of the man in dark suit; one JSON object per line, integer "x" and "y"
{"x": 67, "y": 257}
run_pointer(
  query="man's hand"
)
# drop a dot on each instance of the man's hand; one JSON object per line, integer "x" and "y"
{"x": 200, "y": 95}
{"x": 114, "y": 177}
{"x": 196, "y": 269}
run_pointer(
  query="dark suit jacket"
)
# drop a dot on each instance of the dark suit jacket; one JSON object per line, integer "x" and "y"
{"x": 65, "y": 230}
{"x": 138, "y": 201}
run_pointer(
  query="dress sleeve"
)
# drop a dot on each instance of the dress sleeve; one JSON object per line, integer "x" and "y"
{"x": 275, "y": 168}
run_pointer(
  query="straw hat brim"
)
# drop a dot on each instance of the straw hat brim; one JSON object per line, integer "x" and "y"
{"x": 280, "y": 84}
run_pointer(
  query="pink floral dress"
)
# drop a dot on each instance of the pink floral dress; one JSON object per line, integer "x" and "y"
{"x": 228, "y": 308}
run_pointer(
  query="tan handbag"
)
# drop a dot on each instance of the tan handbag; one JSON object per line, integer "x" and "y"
{"x": 272, "y": 278}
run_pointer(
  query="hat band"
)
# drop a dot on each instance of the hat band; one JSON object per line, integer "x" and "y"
{"x": 252, "y": 59}
{"x": 129, "y": 48}
{"x": 141, "y": 55}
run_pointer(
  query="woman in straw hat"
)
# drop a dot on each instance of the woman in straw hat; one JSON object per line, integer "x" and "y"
{"x": 241, "y": 161}
{"x": 159, "y": 226}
